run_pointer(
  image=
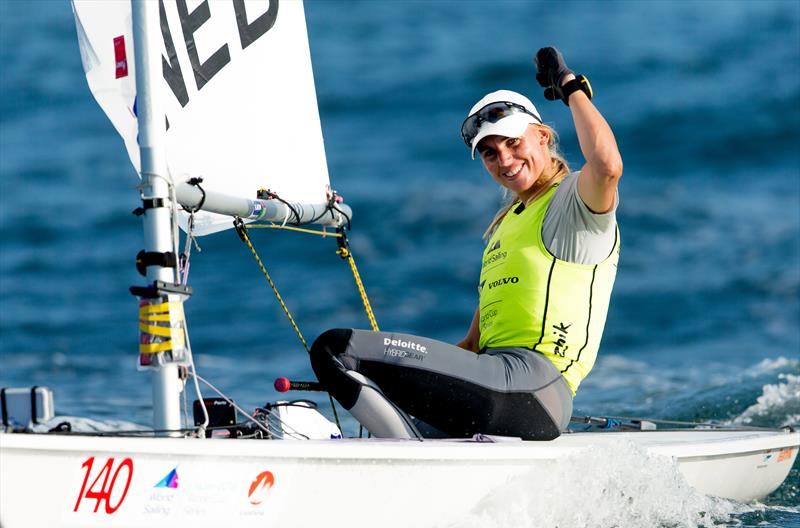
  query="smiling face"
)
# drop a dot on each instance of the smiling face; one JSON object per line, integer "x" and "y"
{"x": 518, "y": 163}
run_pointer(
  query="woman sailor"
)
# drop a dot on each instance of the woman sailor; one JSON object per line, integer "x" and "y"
{"x": 544, "y": 289}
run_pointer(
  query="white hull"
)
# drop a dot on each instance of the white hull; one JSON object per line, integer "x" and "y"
{"x": 45, "y": 480}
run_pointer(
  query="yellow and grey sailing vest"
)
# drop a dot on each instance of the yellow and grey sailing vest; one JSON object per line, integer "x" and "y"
{"x": 529, "y": 298}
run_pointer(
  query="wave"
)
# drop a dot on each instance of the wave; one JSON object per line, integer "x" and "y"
{"x": 621, "y": 486}
{"x": 778, "y": 403}
{"x": 766, "y": 393}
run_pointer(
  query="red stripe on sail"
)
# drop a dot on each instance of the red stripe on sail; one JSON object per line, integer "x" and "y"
{"x": 120, "y": 57}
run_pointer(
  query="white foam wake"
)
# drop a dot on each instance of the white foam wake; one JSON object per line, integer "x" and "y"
{"x": 779, "y": 402}
{"x": 621, "y": 486}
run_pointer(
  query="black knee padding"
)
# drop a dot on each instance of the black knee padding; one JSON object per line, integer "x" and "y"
{"x": 335, "y": 340}
{"x": 329, "y": 370}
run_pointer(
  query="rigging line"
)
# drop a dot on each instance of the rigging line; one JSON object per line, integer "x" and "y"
{"x": 231, "y": 402}
{"x": 275, "y": 416}
{"x": 269, "y": 419}
{"x": 246, "y": 239}
{"x": 187, "y": 250}
{"x": 291, "y": 208}
{"x": 266, "y": 417}
{"x": 173, "y": 199}
{"x": 191, "y": 366}
{"x": 124, "y": 433}
{"x": 201, "y": 428}
{"x": 193, "y": 372}
{"x": 242, "y": 231}
{"x": 273, "y": 423}
{"x": 363, "y": 292}
{"x": 598, "y": 420}
{"x": 191, "y": 242}
{"x": 716, "y": 425}
{"x": 344, "y": 252}
{"x": 177, "y": 280}
{"x": 323, "y": 234}
{"x": 286, "y": 218}
{"x": 328, "y": 208}
{"x": 333, "y": 206}
{"x": 323, "y": 213}
{"x": 185, "y": 405}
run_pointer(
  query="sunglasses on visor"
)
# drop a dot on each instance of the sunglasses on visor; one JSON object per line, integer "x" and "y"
{"x": 491, "y": 113}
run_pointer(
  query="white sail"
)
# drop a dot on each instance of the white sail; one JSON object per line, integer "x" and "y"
{"x": 241, "y": 108}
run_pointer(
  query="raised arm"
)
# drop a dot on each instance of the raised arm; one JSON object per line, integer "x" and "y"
{"x": 599, "y": 177}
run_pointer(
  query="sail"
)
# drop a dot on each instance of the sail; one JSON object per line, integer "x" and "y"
{"x": 238, "y": 88}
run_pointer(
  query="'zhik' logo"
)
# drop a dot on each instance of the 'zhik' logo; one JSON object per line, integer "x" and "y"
{"x": 560, "y": 331}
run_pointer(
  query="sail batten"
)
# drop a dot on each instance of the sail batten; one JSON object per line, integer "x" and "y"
{"x": 238, "y": 88}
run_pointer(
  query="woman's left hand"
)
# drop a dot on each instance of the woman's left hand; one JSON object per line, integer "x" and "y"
{"x": 552, "y": 72}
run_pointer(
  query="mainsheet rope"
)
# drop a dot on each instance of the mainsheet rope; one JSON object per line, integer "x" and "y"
{"x": 241, "y": 229}
{"x": 343, "y": 251}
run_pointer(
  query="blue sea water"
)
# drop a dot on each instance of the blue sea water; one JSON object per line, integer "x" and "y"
{"x": 704, "y": 99}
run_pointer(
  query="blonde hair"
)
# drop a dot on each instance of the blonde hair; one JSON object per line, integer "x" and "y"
{"x": 559, "y": 169}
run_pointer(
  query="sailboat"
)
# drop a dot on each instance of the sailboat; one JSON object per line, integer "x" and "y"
{"x": 240, "y": 71}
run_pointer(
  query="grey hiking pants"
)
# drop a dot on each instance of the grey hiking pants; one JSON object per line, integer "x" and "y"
{"x": 382, "y": 377}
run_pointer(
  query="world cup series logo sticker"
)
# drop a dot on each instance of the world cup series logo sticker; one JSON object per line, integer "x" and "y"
{"x": 260, "y": 487}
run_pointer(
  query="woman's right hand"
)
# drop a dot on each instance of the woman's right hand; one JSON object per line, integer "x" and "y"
{"x": 473, "y": 337}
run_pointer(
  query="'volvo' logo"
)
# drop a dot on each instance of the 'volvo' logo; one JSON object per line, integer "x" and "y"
{"x": 503, "y": 281}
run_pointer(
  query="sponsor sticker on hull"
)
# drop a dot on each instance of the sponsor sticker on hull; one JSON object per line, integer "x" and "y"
{"x": 260, "y": 487}
{"x": 162, "y": 500}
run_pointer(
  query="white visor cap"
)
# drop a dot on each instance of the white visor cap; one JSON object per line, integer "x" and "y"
{"x": 513, "y": 125}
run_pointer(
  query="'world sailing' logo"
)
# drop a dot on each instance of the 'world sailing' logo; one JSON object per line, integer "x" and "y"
{"x": 170, "y": 481}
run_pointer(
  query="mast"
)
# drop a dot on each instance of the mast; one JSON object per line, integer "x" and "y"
{"x": 157, "y": 222}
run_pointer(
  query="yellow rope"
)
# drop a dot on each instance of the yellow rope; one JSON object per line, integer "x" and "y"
{"x": 246, "y": 239}
{"x": 289, "y": 228}
{"x": 345, "y": 253}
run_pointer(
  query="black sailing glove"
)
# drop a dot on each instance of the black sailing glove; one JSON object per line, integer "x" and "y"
{"x": 550, "y": 71}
